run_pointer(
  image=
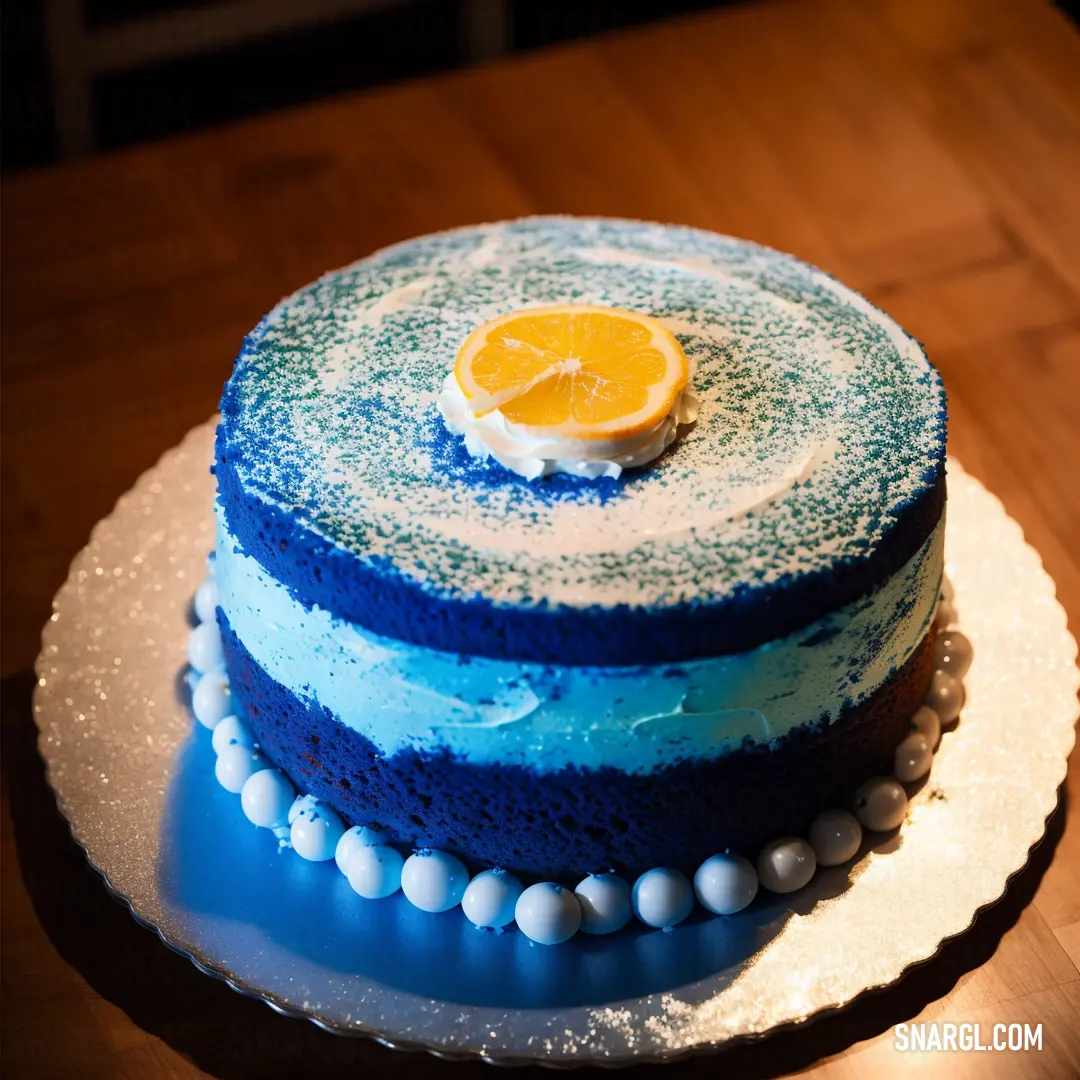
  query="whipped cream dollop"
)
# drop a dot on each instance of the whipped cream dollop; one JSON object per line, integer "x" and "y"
{"x": 533, "y": 456}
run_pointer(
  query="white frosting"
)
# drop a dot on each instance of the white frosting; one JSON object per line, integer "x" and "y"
{"x": 532, "y": 456}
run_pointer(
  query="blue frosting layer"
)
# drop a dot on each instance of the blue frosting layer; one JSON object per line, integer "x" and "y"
{"x": 574, "y": 821}
{"x": 632, "y": 718}
{"x": 816, "y": 468}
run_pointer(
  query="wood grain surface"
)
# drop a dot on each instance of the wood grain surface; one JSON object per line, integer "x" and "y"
{"x": 927, "y": 152}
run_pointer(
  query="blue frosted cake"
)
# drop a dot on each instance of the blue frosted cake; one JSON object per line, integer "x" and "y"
{"x": 564, "y": 659}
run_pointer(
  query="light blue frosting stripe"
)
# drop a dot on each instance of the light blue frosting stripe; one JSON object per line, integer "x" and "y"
{"x": 635, "y": 719}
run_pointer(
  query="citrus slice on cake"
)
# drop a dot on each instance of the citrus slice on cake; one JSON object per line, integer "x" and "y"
{"x": 573, "y": 372}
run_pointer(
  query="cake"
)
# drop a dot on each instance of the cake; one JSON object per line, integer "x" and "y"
{"x": 560, "y": 659}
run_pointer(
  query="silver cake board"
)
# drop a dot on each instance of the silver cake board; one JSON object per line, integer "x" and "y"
{"x": 130, "y": 775}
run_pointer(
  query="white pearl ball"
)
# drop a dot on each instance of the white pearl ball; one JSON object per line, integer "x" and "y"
{"x": 211, "y": 701}
{"x": 928, "y": 724}
{"x": 375, "y": 871}
{"x": 953, "y": 653}
{"x": 725, "y": 884}
{"x": 786, "y": 865}
{"x": 434, "y": 880}
{"x": 881, "y": 804}
{"x": 231, "y": 731}
{"x": 547, "y": 913}
{"x": 945, "y": 615}
{"x": 315, "y": 832}
{"x": 266, "y": 797}
{"x": 945, "y": 696}
{"x": 204, "y": 648}
{"x": 491, "y": 897}
{"x": 207, "y": 598}
{"x": 913, "y": 758}
{"x": 352, "y": 840}
{"x": 235, "y": 765}
{"x": 835, "y": 836}
{"x": 605, "y": 903}
{"x": 662, "y": 897}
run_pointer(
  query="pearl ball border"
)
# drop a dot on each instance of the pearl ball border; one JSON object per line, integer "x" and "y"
{"x": 548, "y": 913}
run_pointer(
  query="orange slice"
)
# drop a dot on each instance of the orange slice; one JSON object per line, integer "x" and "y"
{"x": 573, "y": 372}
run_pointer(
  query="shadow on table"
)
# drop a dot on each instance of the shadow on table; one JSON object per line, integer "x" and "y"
{"x": 231, "y": 1036}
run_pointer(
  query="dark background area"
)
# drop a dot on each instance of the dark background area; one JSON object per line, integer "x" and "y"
{"x": 269, "y": 71}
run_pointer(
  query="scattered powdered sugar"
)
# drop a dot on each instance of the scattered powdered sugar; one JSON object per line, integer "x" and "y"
{"x": 819, "y": 420}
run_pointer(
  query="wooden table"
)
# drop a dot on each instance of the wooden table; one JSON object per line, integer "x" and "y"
{"x": 927, "y": 153}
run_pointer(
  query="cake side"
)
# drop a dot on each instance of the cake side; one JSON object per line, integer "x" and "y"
{"x": 572, "y": 821}
{"x": 562, "y": 771}
{"x": 399, "y": 696}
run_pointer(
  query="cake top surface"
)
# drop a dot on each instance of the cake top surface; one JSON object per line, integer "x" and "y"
{"x": 821, "y": 423}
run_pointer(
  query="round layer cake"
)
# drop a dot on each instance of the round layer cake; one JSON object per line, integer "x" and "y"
{"x": 572, "y": 673}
